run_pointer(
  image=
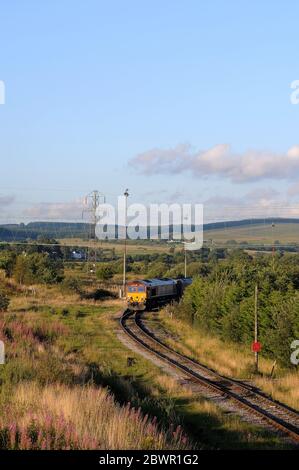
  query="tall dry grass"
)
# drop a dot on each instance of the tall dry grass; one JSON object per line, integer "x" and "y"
{"x": 232, "y": 360}
{"x": 61, "y": 417}
{"x": 284, "y": 388}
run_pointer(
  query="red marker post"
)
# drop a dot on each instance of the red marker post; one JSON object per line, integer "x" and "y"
{"x": 256, "y": 347}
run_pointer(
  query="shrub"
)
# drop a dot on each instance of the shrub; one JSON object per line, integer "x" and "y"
{"x": 71, "y": 284}
{"x": 4, "y": 301}
{"x": 105, "y": 272}
{"x": 38, "y": 268}
{"x": 7, "y": 261}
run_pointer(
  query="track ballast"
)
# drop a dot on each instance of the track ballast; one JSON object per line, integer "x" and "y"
{"x": 262, "y": 408}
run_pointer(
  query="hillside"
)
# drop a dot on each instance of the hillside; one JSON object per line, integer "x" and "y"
{"x": 256, "y": 233}
{"x": 252, "y": 231}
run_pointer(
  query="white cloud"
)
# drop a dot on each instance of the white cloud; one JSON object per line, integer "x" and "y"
{"x": 219, "y": 161}
{"x": 6, "y": 200}
{"x": 163, "y": 161}
{"x": 293, "y": 190}
{"x": 257, "y": 204}
{"x": 55, "y": 211}
{"x": 262, "y": 193}
{"x": 6, "y": 203}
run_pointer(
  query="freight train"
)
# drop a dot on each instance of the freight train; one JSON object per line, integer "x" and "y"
{"x": 147, "y": 294}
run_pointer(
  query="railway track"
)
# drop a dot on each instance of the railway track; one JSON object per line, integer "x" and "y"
{"x": 245, "y": 398}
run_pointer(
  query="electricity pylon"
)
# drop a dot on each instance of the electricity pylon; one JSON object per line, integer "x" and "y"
{"x": 126, "y": 195}
{"x": 92, "y": 202}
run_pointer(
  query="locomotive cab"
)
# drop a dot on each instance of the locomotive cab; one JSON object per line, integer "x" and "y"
{"x": 136, "y": 295}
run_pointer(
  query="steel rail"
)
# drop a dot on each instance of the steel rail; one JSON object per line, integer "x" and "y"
{"x": 236, "y": 383}
{"x": 275, "y": 421}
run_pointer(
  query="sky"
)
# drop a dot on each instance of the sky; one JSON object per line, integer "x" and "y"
{"x": 179, "y": 101}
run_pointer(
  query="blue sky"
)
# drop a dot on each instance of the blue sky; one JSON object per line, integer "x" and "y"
{"x": 108, "y": 95}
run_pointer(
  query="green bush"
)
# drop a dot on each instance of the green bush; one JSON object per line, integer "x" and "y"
{"x": 37, "y": 268}
{"x": 71, "y": 284}
{"x": 105, "y": 272}
{"x": 7, "y": 261}
{"x": 4, "y": 302}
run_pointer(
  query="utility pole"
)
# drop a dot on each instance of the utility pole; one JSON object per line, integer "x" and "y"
{"x": 185, "y": 261}
{"x": 92, "y": 201}
{"x": 126, "y": 194}
{"x": 273, "y": 246}
{"x": 256, "y": 354}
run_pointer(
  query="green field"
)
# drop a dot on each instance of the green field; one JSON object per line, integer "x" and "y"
{"x": 285, "y": 233}
{"x": 255, "y": 234}
{"x": 133, "y": 248}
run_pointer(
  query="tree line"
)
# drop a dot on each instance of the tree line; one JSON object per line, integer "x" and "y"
{"x": 221, "y": 301}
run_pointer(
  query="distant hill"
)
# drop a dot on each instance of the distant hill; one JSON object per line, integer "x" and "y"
{"x": 280, "y": 232}
{"x": 249, "y": 222}
{"x": 247, "y": 230}
{"x": 33, "y": 230}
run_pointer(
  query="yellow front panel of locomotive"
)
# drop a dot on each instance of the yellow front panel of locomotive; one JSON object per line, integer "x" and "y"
{"x": 136, "y": 297}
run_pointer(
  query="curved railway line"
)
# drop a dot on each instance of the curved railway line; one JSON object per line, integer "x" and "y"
{"x": 245, "y": 398}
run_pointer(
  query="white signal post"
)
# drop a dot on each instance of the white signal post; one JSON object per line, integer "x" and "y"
{"x": 185, "y": 260}
{"x": 126, "y": 194}
{"x": 256, "y": 354}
